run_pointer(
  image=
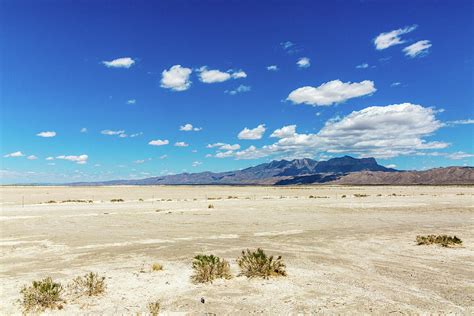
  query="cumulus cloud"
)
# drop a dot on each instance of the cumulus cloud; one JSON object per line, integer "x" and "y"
{"x": 176, "y": 78}
{"x": 131, "y": 101}
{"x": 303, "y": 62}
{"x": 272, "y": 68}
{"x": 181, "y": 144}
{"x": 31, "y": 157}
{"x": 50, "y": 158}
{"x": 224, "y": 146}
{"x": 459, "y": 155}
{"x": 331, "y": 92}
{"x": 393, "y": 166}
{"x": 124, "y": 62}
{"x": 215, "y": 75}
{"x": 189, "y": 128}
{"x": 81, "y": 159}
{"x": 378, "y": 131}
{"x": 14, "y": 154}
{"x": 388, "y": 39}
{"x": 159, "y": 142}
{"x": 46, "y": 134}
{"x": 239, "y": 89}
{"x": 362, "y": 66}
{"x": 196, "y": 163}
{"x": 111, "y": 133}
{"x": 419, "y": 48}
{"x": 252, "y": 134}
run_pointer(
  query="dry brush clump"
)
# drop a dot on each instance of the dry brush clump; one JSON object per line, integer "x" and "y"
{"x": 117, "y": 200}
{"x": 42, "y": 295}
{"x": 258, "y": 264}
{"x": 156, "y": 267}
{"x": 443, "y": 240}
{"x": 208, "y": 268}
{"x": 154, "y": 308}
{"x": 90, "y": 284}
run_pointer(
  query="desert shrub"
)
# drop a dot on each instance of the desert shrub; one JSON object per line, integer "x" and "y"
{"x": 258, "y": 264}
{"x": 343, "y": 196}
{"x": 154, "y": 308}
{"x": 443, "y": 240}
{"x": 51, "y": 202}
{"x": 91, "y": 284}
{"x": 41, "y": 295}
{"x": 77, "y": 201}
{"x": 140, "y": 200}
{"x": 117, "y": 200}
{"x": 156, "y": 267}
{"x": 210, "y": 206}
{"x": 209, "y": 267}
{"x": 360, "y": 195}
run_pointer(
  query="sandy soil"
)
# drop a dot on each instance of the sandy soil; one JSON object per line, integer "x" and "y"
{"x": 343, "y": 255}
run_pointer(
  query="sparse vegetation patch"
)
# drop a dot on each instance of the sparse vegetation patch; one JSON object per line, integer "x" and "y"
{"x": 360, "y": 195}
{"x": 154, "y": 308}
{"x": 210, "y": 206}
{"x": 41, "y": 295}
{"x": 156, "y": 267}
{"x": 208, "y": 268}
{"x": 443, "y": 240}
{"x": 258, "y": 264}
{"x": 117, "y": 200}
{"x": 91, "y": 284}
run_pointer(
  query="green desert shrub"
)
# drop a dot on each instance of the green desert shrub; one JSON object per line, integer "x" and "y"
{"x": 208, "y": 268}
{"x": 90, "y": 284}
{"x": 41, "y": 295}
{"x": 443, "y": 240}
{"x": 154, "y": 308}
{"x": 258, "y": 264}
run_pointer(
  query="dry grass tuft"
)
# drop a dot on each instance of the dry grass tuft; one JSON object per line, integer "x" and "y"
{"x": 208, "y": 268}
{"x": 41, "y": 295}
{"x": 258, "y": 264}
{"x": 117, "y": 200}
{"x": 91, "y": 284}
{"x": 154, "y": 308}
{"x": 443, "y": 240}
{"x": 156, "y": 267}
{"x": 210, "y": 206}
{"x": 360, "y": 195}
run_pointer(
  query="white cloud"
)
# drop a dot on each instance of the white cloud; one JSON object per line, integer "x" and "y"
{"x": 378, "y": 131}
{"x": 112, "y": 133}
{"x": 83, "y": 130}
{"x": 163, "y": 156}
{"x": 215, "y": 75}
{"x": 176, "y": 78}
{"x": 419, "y": 48}
{"x": 223, "y": 146}
{"x": 362, "y": 66}
{"x": 159, "y": 142}
{"x": 139, "y": 161}
{"x": 252, "y": 134}
{"x": 136, "y": 134}
{"x": 331, "y": 92}
{"x": 285, "y": 131}
{"x": 459, "y": 155}
{"x": 272, "y": 68}
{"x": 131, "y": 101}
{"x": 181, "y": 144}
{"x": 303, "y": 62}
{"x": 287, "y": 45}
{"x": 189, "y": 127}
{"x": 392, "y": 166}
{"x": 461, "y": 122}
{"x": 124, "y": 62}
{"x": 239, "y": 89}
{"x": 14, "y": 154}
{"x": 46, "y": 134}
{"x": 395, "y": 84}
{"x": 31, "y": 157}
{"x": 50, "y": 158}
{"x": 196, "y": 163}
{"x": 385, "y": 40}
{"x": 81, "y": 159}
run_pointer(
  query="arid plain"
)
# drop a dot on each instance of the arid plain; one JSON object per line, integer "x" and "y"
{"x": 347, "y": 249}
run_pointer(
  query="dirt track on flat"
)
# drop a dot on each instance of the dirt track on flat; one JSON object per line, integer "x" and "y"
{"x": 343, "y": 254}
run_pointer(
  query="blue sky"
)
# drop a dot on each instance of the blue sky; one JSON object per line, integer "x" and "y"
{"x": 97, "y": 90}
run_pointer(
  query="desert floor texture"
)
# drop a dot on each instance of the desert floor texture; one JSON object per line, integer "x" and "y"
{"x": 343, "y": 254}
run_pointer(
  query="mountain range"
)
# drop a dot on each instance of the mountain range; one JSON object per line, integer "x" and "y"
{"x": 342, "y": 170}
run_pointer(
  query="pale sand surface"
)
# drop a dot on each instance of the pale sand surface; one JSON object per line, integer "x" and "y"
{"x": 343, "y": 255}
